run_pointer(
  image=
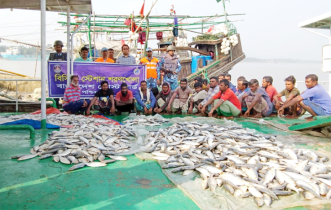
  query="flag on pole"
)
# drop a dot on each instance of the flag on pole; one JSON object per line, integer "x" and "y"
{"x": 142, "y": 10}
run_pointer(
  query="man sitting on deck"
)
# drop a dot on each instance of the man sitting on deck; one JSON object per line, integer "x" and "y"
{"x": 71, "y": 99}
{"x": 213, "y": 90}
{"x": 257, "y": 100}
{"x": 124, "y": 100}
{"x": 180, "y": 104}
{"x": 290, "y": 92}
{"x": 104, "y": 99}
{"x": 104, "y": 57}
{"x": 232, "y": 86}
{"x": 126, "y": 58}
{"x": 270, "y": 89}
{"x": 151, "y": 64}
{"x": 163, "y": 98}
{"x": 83, "y": 55}
{"x": 227, "y": 103}
{"x": 145, "y": 100}
{"x": 196, "y": 98}
{"x": 315, "y": 99}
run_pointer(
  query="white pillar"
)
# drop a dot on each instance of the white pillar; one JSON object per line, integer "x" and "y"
{"x": 68, "y": 46}
{"x": 43, "y": 62}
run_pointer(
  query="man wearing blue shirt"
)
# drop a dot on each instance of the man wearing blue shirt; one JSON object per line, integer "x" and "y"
{"x": 231, "y": 86}
{"x": 145, "y": 100}
{"x": 315, "y": 99}
{"x": 126, "y": 58}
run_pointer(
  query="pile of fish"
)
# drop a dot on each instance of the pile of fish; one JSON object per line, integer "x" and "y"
{"x": 243, "y": 162}
{"x": 87, "y": 141}
{"x": 148, "y": 121}
{"x": 61, "y": 119}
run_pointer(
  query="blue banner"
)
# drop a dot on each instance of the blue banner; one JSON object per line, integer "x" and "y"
{"x": 91, "y": 75}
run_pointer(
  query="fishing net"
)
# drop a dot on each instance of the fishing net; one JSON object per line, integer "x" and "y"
{"x": 220, "y": 199}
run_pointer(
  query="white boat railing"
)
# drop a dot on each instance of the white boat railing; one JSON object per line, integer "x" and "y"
{"x": 16, "y": 99}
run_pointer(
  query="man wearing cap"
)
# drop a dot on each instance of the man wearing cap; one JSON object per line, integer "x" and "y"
{"x": 104, "y": 58}
{"x": 83, "y": 54}
{"x": 111, "y": 54}
{"x": 151, "y": 64}
{"x": 170, "y": 65}
{"x": 58, "y": 55}
{"x": 126, "y": 58}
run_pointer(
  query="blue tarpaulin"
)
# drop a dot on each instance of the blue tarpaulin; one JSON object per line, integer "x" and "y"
{"x": 34, "y": 123}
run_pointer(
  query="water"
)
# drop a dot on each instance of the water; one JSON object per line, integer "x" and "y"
{"x": 256, "y": 70}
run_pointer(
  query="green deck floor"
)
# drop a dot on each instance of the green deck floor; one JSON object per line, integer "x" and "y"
{"x": 132, "y": 184}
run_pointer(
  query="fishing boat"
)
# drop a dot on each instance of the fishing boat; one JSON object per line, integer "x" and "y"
{"x": 134, "y": 184}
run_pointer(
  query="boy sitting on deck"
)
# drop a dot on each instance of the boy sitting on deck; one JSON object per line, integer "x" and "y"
{"x": 196, "y": 98}
{"x": 290, "y": 92}
{"x": 315, "y": 99}
{"x": 227, "y": 104}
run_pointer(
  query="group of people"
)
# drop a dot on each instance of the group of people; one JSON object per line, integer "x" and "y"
{"x": 214, "y": 97}
{"x": 165, "y": 69}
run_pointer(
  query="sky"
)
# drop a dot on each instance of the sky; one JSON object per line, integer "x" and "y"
{"x": 269, "y": 29}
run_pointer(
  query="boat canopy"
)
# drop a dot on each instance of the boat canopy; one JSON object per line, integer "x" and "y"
{"x": 81, "y": 6}
{"x": 319, "y": 22}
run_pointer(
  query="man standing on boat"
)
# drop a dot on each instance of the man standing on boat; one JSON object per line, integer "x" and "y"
{"x": 104, "y": 58}
{"x": 58, "y": 55}
{"x": 83, "y": 54}
{"x": 111, "y": 54}
{"x": 314, "y": 100}
{"x": 126, "y": 58}
{"x": 151, "y": 64}
{"x": 170, "y": 65}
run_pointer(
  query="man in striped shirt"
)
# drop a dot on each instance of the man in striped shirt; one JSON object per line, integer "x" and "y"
{"x": 71, "y": 100}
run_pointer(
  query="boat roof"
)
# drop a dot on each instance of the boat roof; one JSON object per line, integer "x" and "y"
{"x": 80, "y": 7}
{"x": 321, "y": 22}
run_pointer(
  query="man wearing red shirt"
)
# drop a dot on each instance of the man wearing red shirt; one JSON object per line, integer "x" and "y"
{"x": 124, "y": 100}
{"x": 228, "y": 104}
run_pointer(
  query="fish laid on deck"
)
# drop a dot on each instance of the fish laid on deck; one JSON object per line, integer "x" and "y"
{"x": 244, "y": 162}
{"x": 84, "y": 142}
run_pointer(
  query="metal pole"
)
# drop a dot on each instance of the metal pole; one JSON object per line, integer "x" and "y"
{"x": 16, "y": 98}
{"x": 35, "y": 68}
{"x": 147, "y": 35}
{"x": 43, "y": 63}
{"x": 95, "y": 48}
{"x": 68, "y": 46}
{"x": 216, "y": 52}
{"x": 89, "y": 36}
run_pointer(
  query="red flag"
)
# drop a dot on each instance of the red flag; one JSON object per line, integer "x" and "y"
{"x": 142, "y": 10}
{"x": 122, "y": 42}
